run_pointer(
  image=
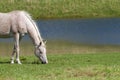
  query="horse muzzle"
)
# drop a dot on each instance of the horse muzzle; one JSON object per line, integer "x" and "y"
{"x": 45, "y": 62}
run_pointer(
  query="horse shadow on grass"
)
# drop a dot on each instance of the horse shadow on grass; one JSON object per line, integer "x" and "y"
{"x": 23, "y": 61}
{"x": 4, "y": 62}
{"x": 8, "y": 62}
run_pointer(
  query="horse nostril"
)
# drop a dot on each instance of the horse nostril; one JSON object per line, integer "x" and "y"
{"x": 44, "y": 62}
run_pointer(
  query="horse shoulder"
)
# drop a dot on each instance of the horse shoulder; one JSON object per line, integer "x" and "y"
{"x": 22, "y": 25}
{"x": 18, "y": 22}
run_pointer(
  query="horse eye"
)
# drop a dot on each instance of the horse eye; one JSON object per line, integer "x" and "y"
{"x": 40, "y": 51}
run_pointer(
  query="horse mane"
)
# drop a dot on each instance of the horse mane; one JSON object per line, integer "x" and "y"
{"x": 34, "y": 24}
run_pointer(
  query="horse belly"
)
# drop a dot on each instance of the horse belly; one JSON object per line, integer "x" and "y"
{"x": 5, "y": 31}
{"x": 6, "y": 35}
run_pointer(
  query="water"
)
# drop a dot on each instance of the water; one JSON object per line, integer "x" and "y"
{"x": 85, "y": 31}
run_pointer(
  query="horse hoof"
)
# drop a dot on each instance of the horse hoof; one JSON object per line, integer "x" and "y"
{"x": 12, "y": 62}
{"x": 19, "y": 63}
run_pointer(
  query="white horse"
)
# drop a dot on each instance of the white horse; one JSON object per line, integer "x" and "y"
{"x": 16, "y": 24}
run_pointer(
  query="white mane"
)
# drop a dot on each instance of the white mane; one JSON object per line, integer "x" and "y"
{"x": 35, "y": 25}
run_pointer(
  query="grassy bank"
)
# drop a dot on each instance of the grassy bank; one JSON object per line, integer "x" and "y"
{"x": 64, "y": 8}
{"x": 58, "y": 47}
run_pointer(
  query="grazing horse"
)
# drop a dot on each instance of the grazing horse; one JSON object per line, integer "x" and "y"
{"x": 16, "y": 24}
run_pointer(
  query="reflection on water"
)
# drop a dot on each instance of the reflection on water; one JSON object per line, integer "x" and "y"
{"x": 85, "y": 31}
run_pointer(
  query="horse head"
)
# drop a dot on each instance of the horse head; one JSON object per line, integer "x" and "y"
{"x": 40, "y": 52}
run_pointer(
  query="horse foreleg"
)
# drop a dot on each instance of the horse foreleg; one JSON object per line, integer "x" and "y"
{"x": 13, "y": 53}
{"x": 16, "y": 49}
{"x": 17, "y": 36}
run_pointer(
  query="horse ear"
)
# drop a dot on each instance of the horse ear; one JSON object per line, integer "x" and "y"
{"x": 40, "y": 43}
{"x": 45, "y": 41}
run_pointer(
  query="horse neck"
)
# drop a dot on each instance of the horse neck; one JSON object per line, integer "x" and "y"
{"x": 36, "y": 39}
{"x": 33, "y": 30}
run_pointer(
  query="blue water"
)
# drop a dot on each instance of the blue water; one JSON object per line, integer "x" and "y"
{"x": 85, "y": 31}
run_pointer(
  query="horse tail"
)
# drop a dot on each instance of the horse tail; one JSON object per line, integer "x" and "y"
{"x": 34, "y": 24}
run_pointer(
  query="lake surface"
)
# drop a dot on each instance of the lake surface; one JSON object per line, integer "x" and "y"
{"x": 85, "y": 31}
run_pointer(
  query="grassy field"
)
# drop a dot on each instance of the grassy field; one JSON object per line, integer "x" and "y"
{"x": 67, "y": 61}
{"x": 64, "y": 8}
{"x": 100, "y": 66}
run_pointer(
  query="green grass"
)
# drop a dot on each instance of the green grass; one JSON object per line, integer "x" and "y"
{"x": 67, "y": 61}
{"x": 100, "y": 66}
{"x": 64, "y": 8}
